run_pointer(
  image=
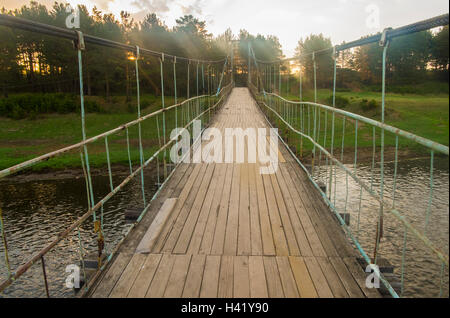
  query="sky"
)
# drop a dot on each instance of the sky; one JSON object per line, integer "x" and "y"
{"x": 289, "y": 20}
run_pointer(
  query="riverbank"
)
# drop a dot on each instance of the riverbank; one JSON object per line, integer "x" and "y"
{"x": 21, "y": 140}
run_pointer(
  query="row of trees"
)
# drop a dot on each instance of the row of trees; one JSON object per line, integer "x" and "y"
{"x": 411, "y": 59}
{"x": 36, "y": 63}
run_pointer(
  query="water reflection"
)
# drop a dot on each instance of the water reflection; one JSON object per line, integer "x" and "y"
{"x": 422, "y": 268}
{"x": 36, "y": 211}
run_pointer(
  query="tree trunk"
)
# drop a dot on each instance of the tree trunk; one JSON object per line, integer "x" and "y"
{"x": 107, "y": 86}
{"x": 31, "y": 70}
{"x": 128, "y": 83}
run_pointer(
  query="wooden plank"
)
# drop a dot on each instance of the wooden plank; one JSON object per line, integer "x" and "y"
{"x": 266, "y": 229}
{"x": 150, "y": 237}
{"x": 128, "y": 277}
{"x": 200, "y": 226}
{"x": 211, "y": 224}
{"x": 171, "y": 189}
{"x": 179, "y": 223}
{"x": 304, "y": 281}
{"x": 241, "y": 285}
{"x": 191, "y": 220}
{"x": 231, "y": 232}
{"x": 192, "y": 217}
{"x": 219, "y": 234}
{"x": 226, "y": 277}
{"x": 274, "y": 285}
{"x": 210, "y": 283}
{"x": 275, "y": 220}
{"x": 297, "y": 226}
{"x": 243, "y": 246}
{"x": 255, "y": 225}
{"x": 331, "y": 234}
{"x": 175, "y": 285}
{"x": 194, "y": 277}
{"x": 159, "y": 282}
{"x": 310, "y": 232}
{"x": 360, "y": 277}
{"x": 145, "y": 276}
{"x": 319, "y": 280}
{"x": 332, "y": 277}
{"x": 287, "y": 279}
{"x": 347, "y": 279}
{"x": 257, "y": 275}
{"x": 177, "y": 209}
{"x": 316, "y": 221}
{"x": 112, "y": 275}
{"x": 286, "y": 222}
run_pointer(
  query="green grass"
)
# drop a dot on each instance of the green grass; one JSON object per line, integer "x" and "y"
{"x": 24, "y": 139}
{"x": 423, "y": 115}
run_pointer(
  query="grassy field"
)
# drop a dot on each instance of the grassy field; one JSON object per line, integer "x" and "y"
{"x": 423, "y": 115}
{"x": 20, "y": 140}
{"x": 25, "y": 139}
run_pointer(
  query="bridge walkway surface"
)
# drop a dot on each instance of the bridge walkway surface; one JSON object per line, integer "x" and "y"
{"x": 225, "y": 230}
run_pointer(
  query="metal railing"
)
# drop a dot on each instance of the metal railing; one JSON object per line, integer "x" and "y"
{"x": 179, "y": 115}
{"x": 324, "y": 132}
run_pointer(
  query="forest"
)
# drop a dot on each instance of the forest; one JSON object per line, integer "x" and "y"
{"x": 41, "y": 70}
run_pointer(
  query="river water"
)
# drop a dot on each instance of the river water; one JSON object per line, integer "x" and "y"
{"x": 422, "y": 269}
{"x": 35, "y": 211}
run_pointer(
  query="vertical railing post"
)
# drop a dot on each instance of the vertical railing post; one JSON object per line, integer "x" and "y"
{"x": 335, "y": 57}
{"x": 315, "y": 113}
{"x": 274, "y": 79}
{"x": 161, "y": 63}
{"x": 384, "y": 42}
{"x": 141, "y": 151}
{"x": 279, "y": 79}
{"x": 80, "y": 46}
{"x": 44, "y": 273}
{"x": 249, "y": 65}
{"x": 175, "y": 90}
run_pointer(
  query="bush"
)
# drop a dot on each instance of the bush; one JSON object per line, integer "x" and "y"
{"x": 368, "y": 105}
{"x": 31, "y": 105}
{"x": 340, "y": 101}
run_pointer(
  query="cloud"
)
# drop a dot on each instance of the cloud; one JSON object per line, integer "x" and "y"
{"x": 153, "y": 6}
{"x": 194, "y": 8}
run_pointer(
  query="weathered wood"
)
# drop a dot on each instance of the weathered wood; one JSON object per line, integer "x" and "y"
{"x": 274, "y": 285}
{"x": 319, "y": 280}
{"x": 145, "y": 276}
{"x": 128, "y": 277}
{"x": 231, "y": 232}
{"x": 194, "y": 277}
{"x": 152, "y": 234}
{"x": 210, "y": 283}
{"x": 303, "y": 280}
{"x": 234, "y": 232}
{"x": 111, "y": 277}
{"x": 332, "y": 278}
{"x": 257, "y": 275}
{"x": 159, "y": 282}
{"x": 349, "y": 283}
{"x": 287, "y": 279}
{"x": 175, "y": 284}
{"x": 225, "y": 289}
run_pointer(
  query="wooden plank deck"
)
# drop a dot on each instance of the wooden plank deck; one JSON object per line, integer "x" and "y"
{"x": 236, "y": 233}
